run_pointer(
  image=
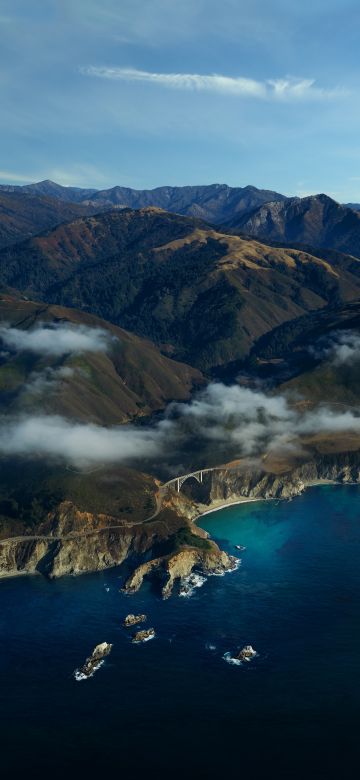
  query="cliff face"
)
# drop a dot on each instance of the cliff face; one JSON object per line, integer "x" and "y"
{"x": 169, "y": 569}
{"x": 72, "y": 541}
{"x": 230, "y": 485}
{"x": 67, "y": 555}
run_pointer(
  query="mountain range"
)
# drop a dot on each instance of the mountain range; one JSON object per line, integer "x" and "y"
{"x": 202, "y": 295}
{"x": 114, "y": 303}
{"x": 313, "y": 222}
{"x": 214, "y": 203}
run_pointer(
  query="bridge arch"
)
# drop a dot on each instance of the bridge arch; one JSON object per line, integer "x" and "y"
{"x": 198, "y": 475}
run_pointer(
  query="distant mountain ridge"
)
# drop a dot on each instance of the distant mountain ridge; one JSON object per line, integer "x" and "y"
{"x": 316, "y": 221}
{"x": 313, "y": 222}
{"x": 23, "y": 215}
{"x": 214, "y": 202}
{"x": 50, "y": 189}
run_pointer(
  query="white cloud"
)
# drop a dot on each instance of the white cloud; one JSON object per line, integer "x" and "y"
{"x": 47, "y": 381}
{"x": 270, "y": 89}
{"x": 235, "y": 421}
{"x": 341, "y": 347}
{"x": 77, "y": 176}
{"x": 53, "y": 436}
{"x": 16, "y": 178}
{"x": 250, "y": 422}
{"x": 56, "y": 340}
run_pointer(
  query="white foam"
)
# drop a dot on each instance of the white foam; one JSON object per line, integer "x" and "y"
{"x": 81, "y": 676}
{"x": 141, "y": 641}
{"x": 189, "y": 583}
{"x": 209, "y": 646}
{"x": 236, "y": 564}
{"x": 237, "y": 661}
{"x": 230, "y": 660}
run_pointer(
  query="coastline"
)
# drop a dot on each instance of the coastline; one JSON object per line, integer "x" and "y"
{"x": 7, "y": 573}
{"x": 215, "y": 507}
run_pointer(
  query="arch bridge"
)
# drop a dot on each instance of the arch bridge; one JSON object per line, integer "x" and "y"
{"x": 178, "y": 482}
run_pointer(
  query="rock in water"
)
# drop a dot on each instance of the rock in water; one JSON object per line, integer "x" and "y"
{"x": 144, "y": 635}
{"x": 133, "y": 620}
{"x": 247, "y": 653}
{"x": 94, "y": 661}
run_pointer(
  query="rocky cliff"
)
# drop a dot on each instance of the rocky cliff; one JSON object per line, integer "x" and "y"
{"x": 71, "y": 541}
{"x": 177, "y": 567}
{"x": 170, "y": 546}
{"x": 232, "y": 484}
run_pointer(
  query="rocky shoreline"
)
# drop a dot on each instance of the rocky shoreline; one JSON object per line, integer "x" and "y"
{"x": 168, "y": 570}
{"x": 105, "y": 547}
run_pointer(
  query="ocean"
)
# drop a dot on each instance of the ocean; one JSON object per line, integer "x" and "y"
{"x": 175, "y": 705}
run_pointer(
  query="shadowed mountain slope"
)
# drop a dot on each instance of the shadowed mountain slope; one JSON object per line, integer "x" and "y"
{"x": 316, "y": 221}
{"x": 126, "y": 379}
{"x": 316, "y": 357}
{"x": 204, "y": 296}
{"x": 355, "y": 206}
{"x": 24, "y": 215}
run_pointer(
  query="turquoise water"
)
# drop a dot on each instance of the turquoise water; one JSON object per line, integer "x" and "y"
{"x": 174, "y": 705}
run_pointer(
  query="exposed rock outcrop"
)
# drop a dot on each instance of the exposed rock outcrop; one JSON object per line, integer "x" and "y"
{"x": 247, "y": 653}
{"x": 231, "y": 484}
{"x": 143, "y": 636}
{"x": 71, "y": 541}
{"x": 94, "y": 661}
{"x": 177, "y": 567}
{"x": 134, "y": 620}
{"x": 74, "y": 542}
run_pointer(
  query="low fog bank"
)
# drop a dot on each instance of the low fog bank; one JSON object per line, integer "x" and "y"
{"x": 57, "y": 437}
{"x": 341, "y": 347}
{"x": 221, "y": 422}
{"x": 56, "y": 340}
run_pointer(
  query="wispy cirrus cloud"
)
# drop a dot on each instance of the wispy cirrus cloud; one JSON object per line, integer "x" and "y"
{"x": 77, "y": 176}
{"x": 271, "y": 89}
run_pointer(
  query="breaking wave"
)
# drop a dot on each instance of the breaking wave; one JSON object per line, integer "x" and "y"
{"x": 81, "y": 676}
{"x": 189, "y": 583}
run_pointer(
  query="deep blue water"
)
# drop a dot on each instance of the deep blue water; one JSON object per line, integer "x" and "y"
{"x": 173, "y": 705}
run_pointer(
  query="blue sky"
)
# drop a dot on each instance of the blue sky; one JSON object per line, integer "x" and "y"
{"x": 150, "y": 92}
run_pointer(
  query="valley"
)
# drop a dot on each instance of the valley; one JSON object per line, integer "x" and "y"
{"x": 139, "y": 345}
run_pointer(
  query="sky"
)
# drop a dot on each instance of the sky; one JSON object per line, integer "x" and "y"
{"x": 144, "y": 93}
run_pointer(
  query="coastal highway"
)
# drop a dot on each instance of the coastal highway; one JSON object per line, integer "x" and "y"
{"x": 93, "y": 531}
{"x": 125, "y": 524}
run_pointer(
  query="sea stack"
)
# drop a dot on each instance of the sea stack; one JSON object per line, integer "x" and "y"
{"x": 143, "y": 636}
{"x": 94, "y": 661}
{"x": 134, "y": 620}
{"x": 247, "y": 653}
